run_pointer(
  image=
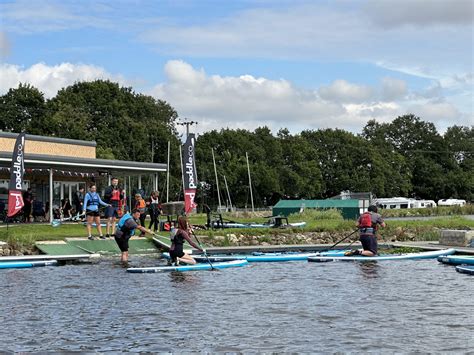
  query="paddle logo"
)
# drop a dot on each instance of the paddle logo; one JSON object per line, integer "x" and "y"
{"x": 189, "y": 174}
{"x": 17, "y": 170}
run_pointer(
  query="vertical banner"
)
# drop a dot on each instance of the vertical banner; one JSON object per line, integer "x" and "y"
{"x": 189, "y": 174}
{"x": 15, "y": 198}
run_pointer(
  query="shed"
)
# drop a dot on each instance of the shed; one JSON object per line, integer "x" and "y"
{"x": 350, "y": 209}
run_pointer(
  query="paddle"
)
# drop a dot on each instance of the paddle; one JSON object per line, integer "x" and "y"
{"x": 205, "y": 254}
{"x": 58, "y": 222}
{"x": 343, "y": 239}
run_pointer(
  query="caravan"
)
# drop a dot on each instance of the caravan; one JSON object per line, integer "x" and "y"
{"x": 403, "y": 202}
{"x": 451, "y": 202}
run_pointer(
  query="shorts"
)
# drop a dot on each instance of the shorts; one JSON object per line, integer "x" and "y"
{"x": 122, "y": 241}
{"x": 112, "y": 211}
{"x": 177, "y": 252}
{"x": 369, "y": 242}
{"x": 93, "y": 213}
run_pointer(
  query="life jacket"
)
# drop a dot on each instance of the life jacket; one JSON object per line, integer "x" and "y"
{"x": 365, "y": 223}
{"x": 141, "y": 206}
{"x": 115, "y": 196}
{"x": 122, "y": 221}
{"x": 93, "y": 199}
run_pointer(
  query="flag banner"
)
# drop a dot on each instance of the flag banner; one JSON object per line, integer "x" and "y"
{"x": 15, "y": 197}
{"x": 190, "y": 176}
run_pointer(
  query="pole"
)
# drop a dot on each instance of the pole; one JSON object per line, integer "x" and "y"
{"x": 217, "y": 179}
{"x": 50, "y": 195}
{"x": 168, "y": 174}
{"x": 182, "y": 172}
{"x": 130, "y": 194}
{"x": 228, "y": 193}
{"x": 250, "y": 181}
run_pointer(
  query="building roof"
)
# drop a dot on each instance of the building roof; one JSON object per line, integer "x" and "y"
{"x": 83, "y": 164}
{"x": 32, "y": 137}
{"x": 317, "y": 203}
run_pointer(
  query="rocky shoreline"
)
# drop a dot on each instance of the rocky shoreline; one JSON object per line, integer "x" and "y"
{"x": 399, "y": 234}
{"x": 17, "y": 250}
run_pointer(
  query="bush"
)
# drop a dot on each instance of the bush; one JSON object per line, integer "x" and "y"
{"x": 317, "y": 214}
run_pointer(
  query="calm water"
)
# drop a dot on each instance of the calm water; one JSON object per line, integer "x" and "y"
{"x": 269, "y": 307}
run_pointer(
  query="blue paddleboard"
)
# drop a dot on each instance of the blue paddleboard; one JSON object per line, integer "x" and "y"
{"x": 465, "y": 269}
{"x": 412, "y": 256}
{"x": 25, "y": 264}
{"x": 456, "y": 259}
{"x": 222, "y": 265}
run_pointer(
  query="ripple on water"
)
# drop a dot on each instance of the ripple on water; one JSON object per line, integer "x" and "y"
{"x": 274, "y": 307}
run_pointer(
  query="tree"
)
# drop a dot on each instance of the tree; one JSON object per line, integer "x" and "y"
{"x": 21, "y": 108}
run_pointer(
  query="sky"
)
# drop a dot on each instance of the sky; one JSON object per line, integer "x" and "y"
{"x": 243, "y": 64}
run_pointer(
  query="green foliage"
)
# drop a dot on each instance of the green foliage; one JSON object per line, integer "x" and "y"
{"x": 20, "y": 108}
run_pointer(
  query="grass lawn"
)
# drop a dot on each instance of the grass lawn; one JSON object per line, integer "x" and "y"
{"x": 28, "y": 234}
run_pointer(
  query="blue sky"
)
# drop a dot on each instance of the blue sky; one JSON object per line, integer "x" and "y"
{"x": 242, "y": 64}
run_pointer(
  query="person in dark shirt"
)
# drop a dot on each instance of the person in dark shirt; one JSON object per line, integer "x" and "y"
{"x": 78, "y": 200}
{"x": 154, "y": 209}
{"x": 27, "y": 207}
{"x": 113, "y": 195}
{"x": 126, "y": 229}
{"x": 368, "y": 225}
{"x": 179, "y": 237}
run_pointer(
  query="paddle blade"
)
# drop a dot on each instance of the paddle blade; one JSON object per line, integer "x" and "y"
{"x": 55, "y": 223}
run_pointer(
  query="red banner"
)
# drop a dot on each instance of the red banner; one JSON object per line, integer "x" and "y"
{"x": 189, "y": 204}
{"x": 15, "y": 197}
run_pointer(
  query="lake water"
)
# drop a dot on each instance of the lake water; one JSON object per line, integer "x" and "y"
{"x": 403, "y": 306}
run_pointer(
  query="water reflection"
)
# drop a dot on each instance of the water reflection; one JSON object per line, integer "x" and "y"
{"x": 369, "y": 269}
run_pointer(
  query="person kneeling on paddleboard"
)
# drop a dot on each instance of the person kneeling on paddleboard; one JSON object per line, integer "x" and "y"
{"x": 178, "y": 237}
{"x": 126, "y": 229}
{"x": 368, "y": 225}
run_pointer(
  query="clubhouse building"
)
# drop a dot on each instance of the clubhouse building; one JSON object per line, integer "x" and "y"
{"x": 55, "y": 168}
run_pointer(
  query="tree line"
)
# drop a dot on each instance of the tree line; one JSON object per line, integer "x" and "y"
{"x": 406, "y": 157}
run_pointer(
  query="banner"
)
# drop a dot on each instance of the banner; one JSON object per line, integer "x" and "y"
{"x": 15, "y": 198}
{"x": 189, "y": 174}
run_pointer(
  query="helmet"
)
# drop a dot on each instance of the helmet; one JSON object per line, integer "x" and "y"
{"x": 372, "y": 208}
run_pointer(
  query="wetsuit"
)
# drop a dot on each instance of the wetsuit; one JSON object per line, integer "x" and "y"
{"x": 176, "y": 249}
{"x": 125, "y": 230}
{"x": 368, "y": 237}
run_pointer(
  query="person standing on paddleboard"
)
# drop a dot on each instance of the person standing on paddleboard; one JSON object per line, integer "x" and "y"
{"x": 368, "y": 224}
{"x": 113, "y": 195}
{"x": 91, "y": 210}
{"x": 126, "y": 229}
{"x": 178, "y": 237}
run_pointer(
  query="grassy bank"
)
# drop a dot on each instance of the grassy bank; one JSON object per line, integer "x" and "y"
{"x": 422, "y": 212}
{"x": 326, "y": 224}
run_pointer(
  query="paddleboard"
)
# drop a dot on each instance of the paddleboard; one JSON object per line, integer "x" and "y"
{"x": 412, "y": 256}
{"x": 465, "y": 269}
{"x": 262, "y": 257}
{"x": 196, "y": 267}
{"x": 25, "y": 264}
{"x": 456, "y": 259}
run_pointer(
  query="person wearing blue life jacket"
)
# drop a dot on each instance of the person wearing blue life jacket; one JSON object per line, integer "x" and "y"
{"x": 368, "y": 225}
{"x": 92, "y": 201}
{"x": 125, "y": 229}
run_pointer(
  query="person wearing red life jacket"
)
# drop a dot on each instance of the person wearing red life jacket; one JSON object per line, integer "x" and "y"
{"x": 368, "y": 225}
{"x": 113, "y": 195}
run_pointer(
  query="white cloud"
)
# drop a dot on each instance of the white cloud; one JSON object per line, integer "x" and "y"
{"x": 25, "y": 16}
{"x": 50, "y": 79}
{"x": 391, "y": 13}
{"x": 343, "y": 91}
{"x": 393, "y": 89}
{"x": 4, "y": 45}
{"x": 248, "y": 102}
